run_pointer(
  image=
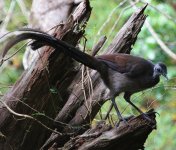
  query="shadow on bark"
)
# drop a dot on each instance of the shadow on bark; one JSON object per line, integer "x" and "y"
{"x": 72, "y": 113}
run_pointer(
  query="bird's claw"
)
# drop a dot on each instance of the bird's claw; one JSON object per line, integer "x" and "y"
{"x": 146, "y": 116}
{"x": 124, "y": 120}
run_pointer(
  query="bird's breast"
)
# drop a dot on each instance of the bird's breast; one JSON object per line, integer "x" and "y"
{"x": 119, "y": 82}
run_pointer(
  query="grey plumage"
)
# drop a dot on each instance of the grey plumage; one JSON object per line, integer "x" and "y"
{"x": 120, "y": 72}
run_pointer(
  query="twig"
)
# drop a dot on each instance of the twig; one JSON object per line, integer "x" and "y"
{"x": 23, "y": 8}
{"x": 98, "y": 45}
{"x": 90, "y": 87}
{"x": 110, "y": 17}
{"x": 84, "y": 79}
{"x": 42, "y": 114}
{"x": 83, "y": 87}
{"x": 160, "y": 42}
{"x": 161, "y": 12}
{"x": 5, "y": 59}
{"x": 115, "y": 24}
{"x": 156, "y": 37}
{"x": 9, "y": 14}
{"x": 29, "y": 117}
{"x": 117, "y": 20}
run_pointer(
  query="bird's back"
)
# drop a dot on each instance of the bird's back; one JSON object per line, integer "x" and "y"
{"x": 127, "y": 73}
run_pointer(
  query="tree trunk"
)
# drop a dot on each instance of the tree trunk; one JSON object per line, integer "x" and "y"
{"x": 35, "y": 88}
{"x": 54, "y": 87}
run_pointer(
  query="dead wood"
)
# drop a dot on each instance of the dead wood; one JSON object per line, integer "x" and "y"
{"x": 54, "y": 70}
{"x": 80, "y": 111}
{"x": 35, "y": 88}
{"x": 123, "y": 137}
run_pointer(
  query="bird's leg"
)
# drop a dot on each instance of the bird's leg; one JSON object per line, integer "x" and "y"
{"x": 127, "y": 98}
{"x": 117, "y": 110}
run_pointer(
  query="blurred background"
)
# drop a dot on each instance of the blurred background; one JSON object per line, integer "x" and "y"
{"x": 156, "y": 42}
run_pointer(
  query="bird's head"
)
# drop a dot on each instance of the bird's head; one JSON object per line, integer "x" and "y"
{"x": 160, "y": 69}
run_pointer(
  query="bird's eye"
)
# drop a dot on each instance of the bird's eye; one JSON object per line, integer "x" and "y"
{"x": 158, "y": 70}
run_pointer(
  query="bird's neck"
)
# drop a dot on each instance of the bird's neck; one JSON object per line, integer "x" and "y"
{"x": 155, "y": 75}
{"x": 156, "y": 78}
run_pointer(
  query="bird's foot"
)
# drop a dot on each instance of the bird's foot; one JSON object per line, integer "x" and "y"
{"x": 146, "y": 116}
{"x": 124, "y": 120}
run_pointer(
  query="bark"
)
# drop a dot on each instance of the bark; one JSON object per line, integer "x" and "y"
{"x": 45, "y": 16}
{"x": 42, "y": 17}
{"x": 123, "y": 137}
{"x": 50, "y": 86}
{"x": 122, "y": 43}
{"x": 80, "y": 111}
{"x": 35, "y": 86}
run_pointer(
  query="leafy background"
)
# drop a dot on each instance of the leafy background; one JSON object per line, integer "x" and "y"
{"x": 105, "y": 15}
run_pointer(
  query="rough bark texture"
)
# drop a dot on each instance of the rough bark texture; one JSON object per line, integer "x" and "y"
{"x": 54, "y": 70}
{"x": 123, "y": 137}
{"x": 42, "y": 12}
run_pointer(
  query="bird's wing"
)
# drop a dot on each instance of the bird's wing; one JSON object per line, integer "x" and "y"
{"x": 127, "y": 64}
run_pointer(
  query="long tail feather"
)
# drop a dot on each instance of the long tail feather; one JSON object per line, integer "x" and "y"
{"x": 49, "y": 40}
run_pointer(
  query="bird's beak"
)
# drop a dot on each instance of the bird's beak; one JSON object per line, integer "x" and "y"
{"x": 165, "y": 75}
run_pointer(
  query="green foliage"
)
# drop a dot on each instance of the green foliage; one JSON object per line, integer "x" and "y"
{"x": 13, "y": 67}
{"x": 162, "y": 97}
{"x": 104, "y": 15}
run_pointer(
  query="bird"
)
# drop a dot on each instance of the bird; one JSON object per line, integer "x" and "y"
{"x": 121, "y": 73}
